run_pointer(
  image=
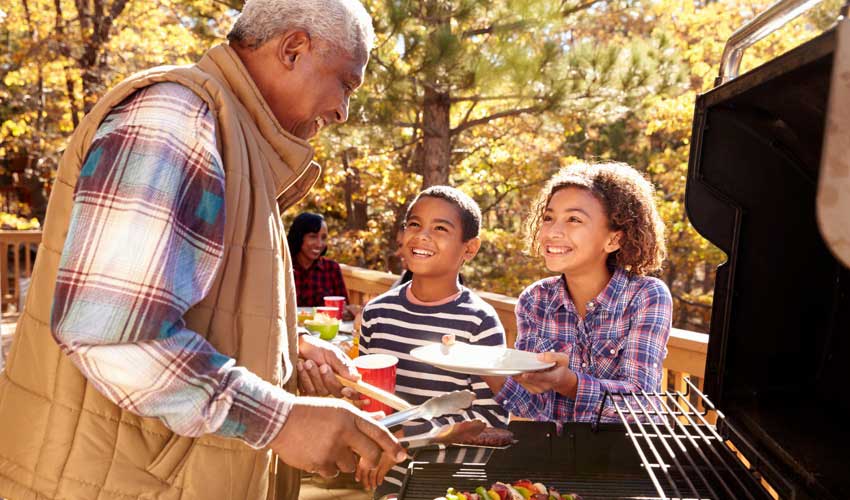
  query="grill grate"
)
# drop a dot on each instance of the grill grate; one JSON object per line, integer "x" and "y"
{"x": 686, "y": 455}
{"x": 668, "y": 445}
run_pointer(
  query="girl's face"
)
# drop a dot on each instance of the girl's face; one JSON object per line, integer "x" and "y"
{"x": 315, "y": 243}
{"x": 574, "y": 234}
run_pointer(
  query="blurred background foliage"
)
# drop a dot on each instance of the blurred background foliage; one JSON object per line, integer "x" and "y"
{"x": 492, "y": 96}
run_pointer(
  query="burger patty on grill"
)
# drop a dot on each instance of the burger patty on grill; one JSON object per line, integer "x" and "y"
{"x": 491, "y": 436}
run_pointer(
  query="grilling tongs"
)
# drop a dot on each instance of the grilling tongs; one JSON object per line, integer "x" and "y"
{"x": 451, "y": 402}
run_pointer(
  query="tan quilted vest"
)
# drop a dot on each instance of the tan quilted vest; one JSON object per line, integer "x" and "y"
{"x": 59, "y": 437}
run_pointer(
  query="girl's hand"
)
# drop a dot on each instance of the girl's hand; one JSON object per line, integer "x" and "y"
{"x": 559, "y": 378}
{"x": 494, "y": 382}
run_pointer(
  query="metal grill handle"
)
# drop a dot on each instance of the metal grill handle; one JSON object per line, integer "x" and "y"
{"x": 778, "y": 15}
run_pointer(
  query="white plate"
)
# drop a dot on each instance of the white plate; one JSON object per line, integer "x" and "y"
{"x": 479, "y": 360}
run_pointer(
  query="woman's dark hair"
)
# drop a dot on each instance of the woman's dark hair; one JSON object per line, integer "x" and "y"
{"x": 306, "y": 222}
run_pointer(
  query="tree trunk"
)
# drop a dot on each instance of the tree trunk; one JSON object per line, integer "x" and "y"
{"x": 393, "y": 259}
{"x": 355, "y": 205}
{"x": 95, "y": 26}
{"x": 437, "y": 138}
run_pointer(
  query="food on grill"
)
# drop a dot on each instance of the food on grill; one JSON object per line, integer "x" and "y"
{"x": 490, "y": 436}
{"x": 518, "y": 490}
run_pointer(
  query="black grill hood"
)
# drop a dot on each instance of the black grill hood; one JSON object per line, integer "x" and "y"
{"x": 779, "y": 348}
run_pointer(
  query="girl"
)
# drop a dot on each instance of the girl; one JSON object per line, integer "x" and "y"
{"x": 315, "y": 276}
{"x": 602, "y": 320}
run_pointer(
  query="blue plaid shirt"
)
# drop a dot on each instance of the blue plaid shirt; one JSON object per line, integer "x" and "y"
{"x": 618, "y": 346}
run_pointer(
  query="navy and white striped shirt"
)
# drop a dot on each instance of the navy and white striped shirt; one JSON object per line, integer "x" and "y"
{"x": 392, "y": 324}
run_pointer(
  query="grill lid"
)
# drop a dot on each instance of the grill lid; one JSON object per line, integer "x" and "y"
{"x": 780, "y": 328}
{"x": 833, "y": 201}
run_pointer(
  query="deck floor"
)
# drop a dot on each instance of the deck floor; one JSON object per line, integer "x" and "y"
{"x": 341, "y": 489}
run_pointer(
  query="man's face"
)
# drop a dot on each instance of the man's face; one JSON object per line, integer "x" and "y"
{"x": 311, "y": 83}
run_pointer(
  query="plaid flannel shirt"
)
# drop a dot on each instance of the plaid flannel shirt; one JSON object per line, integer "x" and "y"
{"x": 619, "y": 346}
{"x": 144, "y": 245}
{"x": 322, "y": 279}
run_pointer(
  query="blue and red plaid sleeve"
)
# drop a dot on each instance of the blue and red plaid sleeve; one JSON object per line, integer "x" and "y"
{"x": 144, "y": 244}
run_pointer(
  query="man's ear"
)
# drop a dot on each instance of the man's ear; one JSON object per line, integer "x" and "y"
{"x": 613, "y": 243}
{"x": 291, "y": 46}
{"x": 470, "y": 249}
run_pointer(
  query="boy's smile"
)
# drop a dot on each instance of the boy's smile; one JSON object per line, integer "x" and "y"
{"x": 421, "y": 253}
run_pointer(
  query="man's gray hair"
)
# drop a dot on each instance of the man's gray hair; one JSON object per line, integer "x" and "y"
{"x": 345, "y": 24}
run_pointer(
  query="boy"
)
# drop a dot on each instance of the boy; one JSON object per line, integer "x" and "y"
{"x": 440, "y": 234}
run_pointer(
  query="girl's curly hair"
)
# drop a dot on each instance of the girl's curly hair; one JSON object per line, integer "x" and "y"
{"x": 628, "y": 200}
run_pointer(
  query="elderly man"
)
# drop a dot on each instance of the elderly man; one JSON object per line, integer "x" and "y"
{"x": 160, "y": 323}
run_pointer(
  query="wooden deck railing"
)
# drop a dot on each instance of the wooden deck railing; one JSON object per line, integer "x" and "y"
{"x": 685, "y": 356}
{"x": 17, "y": 256}
{"x": 686, "y": 350}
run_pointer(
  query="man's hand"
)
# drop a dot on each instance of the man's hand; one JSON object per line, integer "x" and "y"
{"x": 559, "y": 378}
{"x": 323, "y": 435}
{"x": 318, "y": 362}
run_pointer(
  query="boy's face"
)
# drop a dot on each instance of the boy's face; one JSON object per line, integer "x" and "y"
{"x": 432, "y": 243}
{"x": 575, "y": 237}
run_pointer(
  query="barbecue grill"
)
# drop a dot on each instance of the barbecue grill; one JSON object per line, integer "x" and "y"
{"x": 779, "y": 341}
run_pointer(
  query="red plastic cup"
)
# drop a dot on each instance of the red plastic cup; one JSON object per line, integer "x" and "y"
{"x": 333, "y": 312}
{"x": 378, "y": 370}
{"x": 335, "y": 301}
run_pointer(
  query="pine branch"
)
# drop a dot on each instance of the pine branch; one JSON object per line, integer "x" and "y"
{"x": 519, "y": 187}
{"x": 480, "y": 98}
{"x": 578, "y": 8}
{"x": 484, "y": 144}
{"x": 233, "y": 4}
{"x": 690, "y": 302}
{"x": 416, "y": 138}
{"x": 496, "y": 116}
{"x": 469, "y": 112}
{"x": 489, "y": 30}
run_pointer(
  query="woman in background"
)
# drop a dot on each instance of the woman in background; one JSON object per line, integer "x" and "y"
{"x": 315, "y": 276}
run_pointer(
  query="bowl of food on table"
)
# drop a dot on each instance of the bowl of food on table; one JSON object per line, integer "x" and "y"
{"x": 322, "y": 325}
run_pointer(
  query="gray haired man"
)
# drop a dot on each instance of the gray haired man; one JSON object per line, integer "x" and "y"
{"x": 156, "y": 356}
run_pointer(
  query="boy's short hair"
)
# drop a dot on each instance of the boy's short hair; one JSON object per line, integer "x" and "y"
{"x": 470, "y": 213}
